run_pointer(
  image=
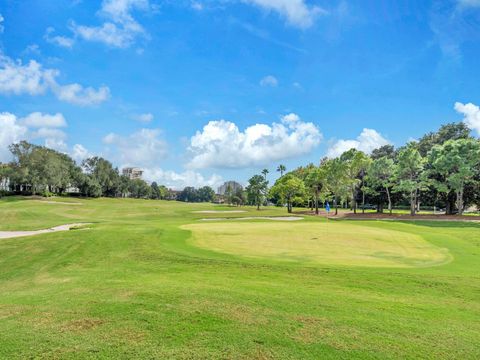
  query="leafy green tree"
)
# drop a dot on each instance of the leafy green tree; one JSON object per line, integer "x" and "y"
{"x": 123, "y": 186}
{"x": 356, "y": 165}
{"x": 384, "y": 151}
{"x": 205, "y": 194}
{"x": 89, "y": 186}
{"x": 315, "y": 183}
{"x": 281, "y": 169}
{"x": 336, "y": 180}
{"x": 139, "y": 189}
{"x": 188, "y": 194}
{"x": 42, "y": 169}
{"x": 409, "y": 174}
{"x": 289, "y": 189}
{"x": 229, "y": 194}
{"x": 240, "y": 197}
{"x": 456, "y": 161}
{"x": 452, "y": 131}
{"x": 163, "y": 192}
{"x": 155, "y": 191}
{"x": 265, "y": 173}
{"x": 104, "y": 173}
{"x": 256, "y": 189}
{"x": 381, "y": 174}
{"x": 5, "y": 175}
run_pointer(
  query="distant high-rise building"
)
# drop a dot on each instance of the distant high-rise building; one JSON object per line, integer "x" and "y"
{"x": 232, "y": 184}
{"x": 132, "y": 173}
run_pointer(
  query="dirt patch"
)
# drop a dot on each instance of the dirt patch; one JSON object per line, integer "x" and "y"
{"x": 14, "y": 234}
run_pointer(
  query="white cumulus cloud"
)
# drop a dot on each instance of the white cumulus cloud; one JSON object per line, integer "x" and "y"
{"x": 269, "y": 80}
{"x": 367, "y": 141}
{"x": 120, "y": 28}
{"x": 471, "y": 113}
{"x": 54, "y": 138}
{"x": 38, "y": 120}
{"x": 79, "y": 153}
{"x": 79, "y": 95}
{"x": 31, "y": 78}
{"x": 221, "y": 144}
{"x": 58, "y": 40}
{"x": 142, "y": 148}
{"x": 35, "y": 126}
{"x": 10, "y": 132}
{"x": 296, "y": 12}
{"x": 178, "y": 181}
{"x": 17, "y": 78}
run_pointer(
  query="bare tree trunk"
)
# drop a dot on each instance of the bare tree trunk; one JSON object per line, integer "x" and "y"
{"x": 413, "y": 201}
{"x": 363, "y": 202}
{"x": 417, "y": 201}
{"x": 354, "y": 201}
{"x": 316, "y": 202}
{"x": 389, "y": 201}
{"x": 460, "y": 201}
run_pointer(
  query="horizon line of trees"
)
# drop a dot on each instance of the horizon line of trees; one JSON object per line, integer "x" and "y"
{"x": 441, "y": 169}
{"x": 38, "y": 170}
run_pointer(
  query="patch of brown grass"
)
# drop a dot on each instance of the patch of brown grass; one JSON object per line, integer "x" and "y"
{"x": 82, "y": 324}
{"x": 313, "y": 330}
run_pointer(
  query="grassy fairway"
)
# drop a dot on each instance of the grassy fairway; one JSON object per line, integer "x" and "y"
{"x": 151, "y": 280}
{"x": 335, "y": 243}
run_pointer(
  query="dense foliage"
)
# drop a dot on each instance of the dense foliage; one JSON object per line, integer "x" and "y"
{"x": 442, "y": 169}
{"x": 39, "y": 170}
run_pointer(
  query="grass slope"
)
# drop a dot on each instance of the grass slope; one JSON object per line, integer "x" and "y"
{"x": 333, "y": 242}
{"x": 135, "y": 286}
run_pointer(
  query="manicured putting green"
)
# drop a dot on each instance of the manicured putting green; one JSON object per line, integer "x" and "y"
{"x": 339, "y": 243}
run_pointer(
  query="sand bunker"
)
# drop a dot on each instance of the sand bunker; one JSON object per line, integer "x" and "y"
{"x": 219, "y": 211}
{"x": 14, "y": 234}
{"x": 274, "y": 218}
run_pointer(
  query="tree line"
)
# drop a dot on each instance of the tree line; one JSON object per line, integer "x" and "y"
{"x": 38, "y": 170}
{"x": 441, "y": 169}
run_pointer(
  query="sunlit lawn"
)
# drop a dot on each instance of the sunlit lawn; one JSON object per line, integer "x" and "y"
{"x": 137, "y": 284}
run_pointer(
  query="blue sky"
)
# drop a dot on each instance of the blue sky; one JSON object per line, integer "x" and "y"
{"x": 197, "y": 92}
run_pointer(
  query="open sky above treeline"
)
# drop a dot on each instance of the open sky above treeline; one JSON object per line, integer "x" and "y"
{"x": 197, "y": 92}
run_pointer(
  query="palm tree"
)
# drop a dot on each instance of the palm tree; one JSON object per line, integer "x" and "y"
{"x": 264, "y": 173}
{"x": 281, "y": 168}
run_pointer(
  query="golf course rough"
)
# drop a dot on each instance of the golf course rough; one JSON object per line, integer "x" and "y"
{"x": 140, "y": 284}
{"x": 335, "y": 243}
